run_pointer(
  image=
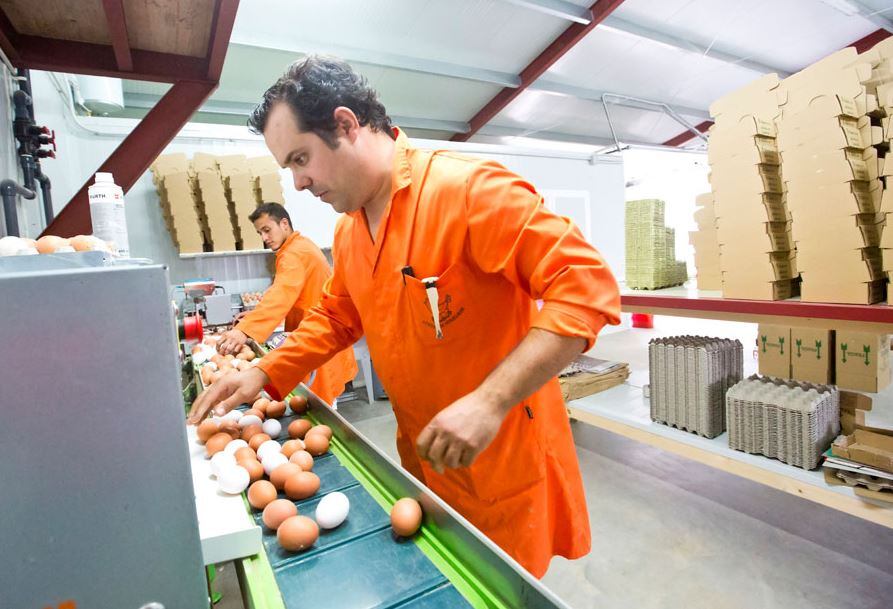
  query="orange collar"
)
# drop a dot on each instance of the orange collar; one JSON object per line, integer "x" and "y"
{"x": 288, "y": 241}
{"x": 401, "y": 175}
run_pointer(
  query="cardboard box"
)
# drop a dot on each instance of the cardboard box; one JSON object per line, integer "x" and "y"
{"x": 862, "y": 360}
{"x": 765, "y": 207}
{"x": 758, "y": 98}
{"x": 733, "y": 287}
{"x": 828, "y": 134}
{"x": 845, "y": 197}
{"x": 812, "y": 355}
{"x": 763, "y": 178}
{"x": 872, "y": 449}
{"x": 840, "y": 291}
{"x": 831, "y": 263}
{"x": 849, "y": 231}
{"x": 774, "y": 350}
{"x": 748, "y": 150}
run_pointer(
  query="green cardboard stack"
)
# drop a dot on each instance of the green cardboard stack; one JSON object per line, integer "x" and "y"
{"x": 651, "y": 248}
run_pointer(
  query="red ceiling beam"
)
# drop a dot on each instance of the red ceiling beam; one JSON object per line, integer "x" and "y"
{"x": 564, "y": 43}
{"x": 134, "y": 155}
{"x": 99, "y": 60}
{"x": 221, "y": 30}
{"x": 8, "y": 37}
{"x": 114, "y": 14}
{"x": 862, "y": 45}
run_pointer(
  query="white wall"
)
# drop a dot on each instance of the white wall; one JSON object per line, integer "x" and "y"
{"x": 82, "y": 150}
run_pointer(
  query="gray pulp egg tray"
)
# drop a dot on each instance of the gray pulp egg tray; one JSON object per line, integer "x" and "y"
{"x": 791, "y": 421}
{"x": 689, "y": 376}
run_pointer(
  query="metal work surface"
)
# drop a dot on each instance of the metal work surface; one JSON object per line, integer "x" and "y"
{"x": 97, "y": 506}
{"x": 363, "y": 564}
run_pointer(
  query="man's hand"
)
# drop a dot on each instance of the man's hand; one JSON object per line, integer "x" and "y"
{"x": 227, "y": 393}
{"x": 460, "y": 432}
{"x": 231, "y": 341}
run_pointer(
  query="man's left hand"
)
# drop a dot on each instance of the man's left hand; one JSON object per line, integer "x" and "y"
{"x": 231, "y": 342}
{"x": 460, "y": 432}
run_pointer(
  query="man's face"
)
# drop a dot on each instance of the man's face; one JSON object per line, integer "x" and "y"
{"x": 328, "y": 173}
{"x": 272, "y": 232}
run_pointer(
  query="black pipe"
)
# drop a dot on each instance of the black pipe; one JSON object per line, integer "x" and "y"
{"x": 27, "y": 162}
{"x": 25, "y": 85}
{"x": 45, "y": 186}
{"x": 9, "y": 190}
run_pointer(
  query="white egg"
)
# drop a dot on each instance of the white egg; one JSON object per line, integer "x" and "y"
{"x": 272, "y": 427}
{"x": 233, "y": 446}
{"x": 11, "y": 246}
{"x": 235, "y": 415}
{"x": 233, "y": 480}
{"x": 249, "y": 419}
{"x": 64, "y": 249}
{"x": 332, "y": 510}
{"x": 267, "y": 448}
{"x": 214, "y": 367}
{"x": 273, "y": 461}
{"x": 221, "y": 461}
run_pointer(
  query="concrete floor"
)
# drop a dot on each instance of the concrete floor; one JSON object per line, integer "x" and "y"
{"x": 669, "y": 532}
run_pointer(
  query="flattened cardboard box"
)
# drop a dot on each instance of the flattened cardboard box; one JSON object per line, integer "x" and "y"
{"x": 873, "y": 449}
{"x": 776, "y": 290}
{"x": 845, "y": 197}
{"x": 774, "y": 350}
{"x": 831, "y": 134}
{"x": 812, "y": 355}
{"x": 862, "y": 360}
{"x": 840, "y": 291}
{"x": 758, "y": 98}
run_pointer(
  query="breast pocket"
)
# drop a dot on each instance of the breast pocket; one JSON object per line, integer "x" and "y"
{"x": 445, "y": 321}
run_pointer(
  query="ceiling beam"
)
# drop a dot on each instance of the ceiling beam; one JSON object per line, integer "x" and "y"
{"x": 683, "y": 44}
{"x": 542, "y": 62}
{"x": 500, "y": 131}
{"x": 870, "y": 14}
{"x": 557, "y": 8}
{"x": 387, "y": 60}
{"x": 218, "y": 42}
{"x": 231, "y": 108}
{"x": 862, "y": 45}
{"x": 547, "y": 86}
{"x": 114, "y": 14}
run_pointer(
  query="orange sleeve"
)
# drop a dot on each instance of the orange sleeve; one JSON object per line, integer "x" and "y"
{"x": 329, "y": 327}
{"x": 278, "y": 300}
{"x": 512, "y": 233}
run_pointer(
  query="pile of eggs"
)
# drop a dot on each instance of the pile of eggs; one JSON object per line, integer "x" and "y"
{"x": 213, "y": 366}
{"x": 250, "y": 299}
{"x": 50, "y": 244}
{"x": 245, "y": 454}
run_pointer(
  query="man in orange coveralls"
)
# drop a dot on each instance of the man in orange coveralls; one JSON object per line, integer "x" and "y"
{"x": 472, "y": 381}
{"x": 301, "y": 271}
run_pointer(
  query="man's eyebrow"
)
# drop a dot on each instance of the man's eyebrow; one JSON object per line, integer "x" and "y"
{"x": 290, "y": 156}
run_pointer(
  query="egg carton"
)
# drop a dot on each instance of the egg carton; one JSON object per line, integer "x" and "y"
{"x": 872, "y": 483}
{"x": 689, "y": 376}
{"x": 791, "y": 421}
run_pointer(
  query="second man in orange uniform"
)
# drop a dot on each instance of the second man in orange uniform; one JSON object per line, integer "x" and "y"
{"x": 301, "y": 271}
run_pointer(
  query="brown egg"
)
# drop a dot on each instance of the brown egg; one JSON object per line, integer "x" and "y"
{"x": 217, "y": 358}
{"x": 254, "y": 468}
{"x": 299, "y": 428}
{"x": 282, "y": 473}
{"x": 207, "y": 375}
{"x": 323, "y": 429}
{"x": 228, "y": 426}
{"x": 290, "y": 447}
{"x": 245, "y": 453}
{"x": 229, "y": 357}
{"x": 261, "y": 405}
{"x": 277, "y": 511}
{"x": 243, "y": 356}
{"x": 406, "y": 517}
{"x": 258, "y": 439}
{"x": 206, "y": 429}
{"x": 315, "y": 443}
{"x": 50, "y": 243}
{"x": 250, "y": 431}
{"x": 298, "y": 404}
{"x": 255, "y": 412}
{"x": 275, "y": 410}
{"x": 302, "y": 458}
{"x": 216, "y": 443}
{"x": 297, "y": 533}
{"x": 260, "y": 494}
{"x": 302, "y": 485}
{"x": 249, "y": 356}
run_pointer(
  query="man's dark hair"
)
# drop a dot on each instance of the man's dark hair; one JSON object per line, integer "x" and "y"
{"x": 313, "y": 87}
{"x": 274, "y": 210}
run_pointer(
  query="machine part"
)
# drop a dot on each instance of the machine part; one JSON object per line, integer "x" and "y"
{"x": 9, "y": 190}
{"x": 218, "y": 310}
{"x": 607, "y": 97}
{"x": 125, "y": 510}
{"x": 32, "y": 139}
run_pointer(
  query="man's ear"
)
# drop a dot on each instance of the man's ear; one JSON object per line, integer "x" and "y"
{"x": 284, "y": 224}
{"x": 346, "y": 123}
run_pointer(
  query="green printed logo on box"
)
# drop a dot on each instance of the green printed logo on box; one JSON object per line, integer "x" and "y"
{"x": 865, "y": 354}
{"x": 817, "y": 349}
{"x": 780, "y": 344}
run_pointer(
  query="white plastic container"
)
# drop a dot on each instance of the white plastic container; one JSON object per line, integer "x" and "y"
{"x": 107, "y": 213}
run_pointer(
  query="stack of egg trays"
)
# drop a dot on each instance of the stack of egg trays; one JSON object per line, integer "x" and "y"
{"x": 689, "y": 377}
{"x": 783, "y": 424}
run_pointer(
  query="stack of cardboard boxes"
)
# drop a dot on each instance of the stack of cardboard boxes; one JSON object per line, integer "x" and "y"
{"x": 851, "y": 360}
{"x": 757, "y": 256}
{"x": 206, "y": 201}
{"x": 266, "y": 180}
{"x": 827, "y": 145}
{"x": 239, "y": 190}
{"x": 651, "y": 248}
{"x": 171, "y": 176}
{"x": 706, "y": 244}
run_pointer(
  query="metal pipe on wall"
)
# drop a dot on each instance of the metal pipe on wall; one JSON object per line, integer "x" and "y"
{"x": 9, "y": 190}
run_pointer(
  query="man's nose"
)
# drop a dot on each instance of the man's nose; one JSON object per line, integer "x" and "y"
{"x": 302, "y": 182}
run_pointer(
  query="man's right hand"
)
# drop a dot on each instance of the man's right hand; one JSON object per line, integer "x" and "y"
{"x": 227, "y": 393}
{"x": 231, "y": 341}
